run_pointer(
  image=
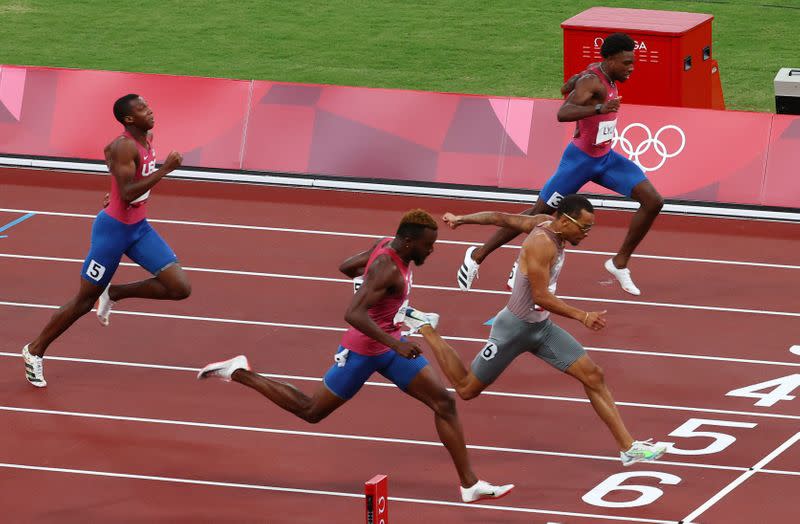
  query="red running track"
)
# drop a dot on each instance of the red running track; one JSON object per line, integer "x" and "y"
{"x": 125, "y": 433}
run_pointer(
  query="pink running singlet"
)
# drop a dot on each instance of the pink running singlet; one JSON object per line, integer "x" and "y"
{"x": 596, "y": 132}
{"x": 136, "y": 211}
{"x": 382, "y": 313}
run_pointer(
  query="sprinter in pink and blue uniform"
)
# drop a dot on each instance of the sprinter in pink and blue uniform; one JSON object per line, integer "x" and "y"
{"x": 374, "y": 343}
{"x": 120, "y": 229}
{"x": 592, "y": 102}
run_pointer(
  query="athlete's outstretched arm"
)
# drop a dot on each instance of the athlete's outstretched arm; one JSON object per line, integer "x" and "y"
{"x": 354, "y": 266}
{"x": 536, "y": 259}
{"x": 121, "y": 161}
{"x": 519, "y": 223}
{"x": 383, "y": 275}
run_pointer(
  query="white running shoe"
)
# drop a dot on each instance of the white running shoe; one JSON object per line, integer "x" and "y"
{"x": 643, "y": 451}
{"x": 414, "y": 319}
{"x": 34, "y": 370}
{"x": 623, "y": 276}
{"x": 223, "y": 370}
{"x": 484, "y": 490}
{"x": 104, "y": 305}
{"x": 468, "y": 271}
{"x": 513, "y": 276}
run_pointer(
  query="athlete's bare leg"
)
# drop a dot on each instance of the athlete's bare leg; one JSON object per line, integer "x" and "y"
{"x": 66, "y": 315}
{"x": 462, "y": 379}
{"x": 593, "y": 380}
{"x": 286, "y": 396}
{"x": 427, "y": 388}
{"x": 170, "y": 284}
{"x": 651, "y": 203}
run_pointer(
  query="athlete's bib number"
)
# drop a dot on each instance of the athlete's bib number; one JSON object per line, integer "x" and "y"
{"x": 489, "y": 351}
{"x": 95, "y": 271}
{"x": 605, "y": 131}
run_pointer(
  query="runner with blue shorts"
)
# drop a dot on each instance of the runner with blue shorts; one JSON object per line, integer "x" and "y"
{"x": 373, "y": 343}
{"x": 120, "y": 229}
{"x": 592, "y": 102}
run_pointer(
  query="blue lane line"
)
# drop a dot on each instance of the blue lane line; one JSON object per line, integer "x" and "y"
{"x": 15, "y": 222}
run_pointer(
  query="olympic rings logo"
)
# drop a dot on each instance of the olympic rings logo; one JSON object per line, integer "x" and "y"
{"x": 651, "y": 141}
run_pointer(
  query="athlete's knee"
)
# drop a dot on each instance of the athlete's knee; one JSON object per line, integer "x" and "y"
{"x": 652, "y": 202}
{"x": 539, "y": 208}
{"x": 469, "y": 391}
{"x": 312, "y": 414}
{"x": 595, "y": 377}
{"x": 84, "y": 301}
{"x": 83, "y": 305}
{"x": 180, "y": 291}
{"x": 314, "y": 417}
{"x": 444, "y": 404}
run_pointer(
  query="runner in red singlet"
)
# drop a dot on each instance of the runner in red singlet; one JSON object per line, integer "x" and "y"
{"x": 374, "y": 343}
{"x": 593, "y": 102}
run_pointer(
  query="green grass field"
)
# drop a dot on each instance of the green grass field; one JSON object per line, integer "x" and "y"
{"x": 467, "y": 46}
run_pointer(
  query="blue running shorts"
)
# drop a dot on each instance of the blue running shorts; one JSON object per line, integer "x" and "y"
{"x": 111, "y": 239}
{"x": 344, "y": 381}
{"x": 612, "y": 171}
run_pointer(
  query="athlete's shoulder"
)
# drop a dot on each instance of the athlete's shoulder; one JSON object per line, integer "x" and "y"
{"x": 539, "y": 239}
{"x": 588, "y": 77}
{"x": 122, "y": 145}
{"x": 383, "y": 273}
{"x": 383, "y": 261}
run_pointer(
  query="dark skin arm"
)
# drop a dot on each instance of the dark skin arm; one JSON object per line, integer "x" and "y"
{"x": 121, "y": 156}
{"x": 569, "y": 85}
{"x": 538, "y": 255}
{"x": 383, "y": 279}
{"x": 354, "y": 266}
{"x": 588, "y": 92}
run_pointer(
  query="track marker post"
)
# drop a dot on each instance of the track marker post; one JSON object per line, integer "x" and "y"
{"x": 376, "y": 491}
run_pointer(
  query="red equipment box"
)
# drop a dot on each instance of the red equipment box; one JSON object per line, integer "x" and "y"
{"x": 674, "y": 64}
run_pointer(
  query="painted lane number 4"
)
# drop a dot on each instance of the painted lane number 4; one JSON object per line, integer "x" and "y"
{"x": 770, "y": 392}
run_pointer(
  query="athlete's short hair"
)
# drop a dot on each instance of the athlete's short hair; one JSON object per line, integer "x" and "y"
{"x": 572, "y": 205}
{"x": 616, "y": 43}
{"x": 415, "y": 222}
{"x": 122, "y": 107}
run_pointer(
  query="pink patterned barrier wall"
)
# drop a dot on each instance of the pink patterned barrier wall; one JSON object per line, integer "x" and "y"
{"x": 411, "y": 136}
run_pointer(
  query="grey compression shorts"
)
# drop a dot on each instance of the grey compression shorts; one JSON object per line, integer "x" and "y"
{"x": 510, "y": 337}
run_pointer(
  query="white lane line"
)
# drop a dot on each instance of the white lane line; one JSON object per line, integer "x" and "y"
{"x": 449, "y": 337}
{"x": 490, "y": 393}
{"x": 365, "y": 235}
{"x": 440, "y": 288}
{"x": 741, "y": 479}
{"x": 343, "y": 436}
{"x": 282, "y": 489}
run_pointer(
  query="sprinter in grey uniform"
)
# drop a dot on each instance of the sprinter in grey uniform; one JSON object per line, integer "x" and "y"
{"x": 524, "y": 325}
